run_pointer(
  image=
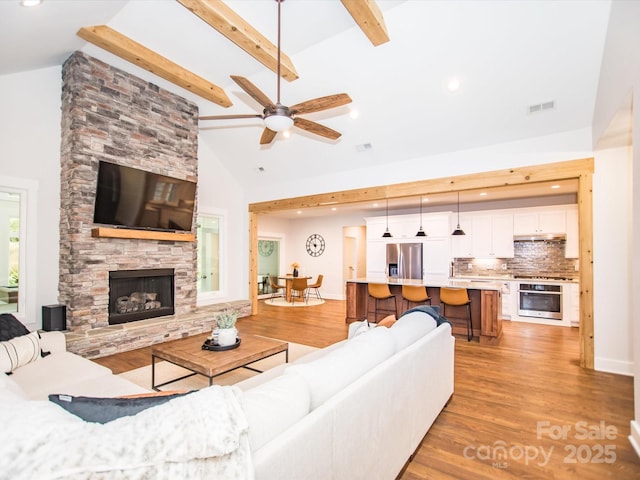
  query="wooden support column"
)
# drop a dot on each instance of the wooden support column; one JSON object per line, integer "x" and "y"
{"x": 253, "y": 262}
{"x": 585, "y": 216}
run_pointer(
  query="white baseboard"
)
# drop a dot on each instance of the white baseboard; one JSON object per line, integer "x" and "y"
{"x": 613, "y": 366}
{"x": 634, "y": 438}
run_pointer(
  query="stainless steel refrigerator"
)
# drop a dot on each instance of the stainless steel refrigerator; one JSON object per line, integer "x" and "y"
{"x": 404, "y": 260}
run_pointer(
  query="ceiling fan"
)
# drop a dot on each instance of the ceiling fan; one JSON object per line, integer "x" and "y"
{"x": 278, "y": 117}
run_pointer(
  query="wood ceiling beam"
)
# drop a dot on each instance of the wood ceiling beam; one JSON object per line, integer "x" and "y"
{"x": 131, "y": 51}
{"x": 219, "y": 16}
{"x": 499, "y": 178}
{"x": 369, "y": 18}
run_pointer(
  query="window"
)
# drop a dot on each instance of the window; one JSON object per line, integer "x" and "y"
{"x": 17, "y": 221}
{"x": 210, "y": 235}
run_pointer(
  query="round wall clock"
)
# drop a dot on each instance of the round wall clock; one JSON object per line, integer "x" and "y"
{"x": 315, "y": 245}
{"x": 265, "y": 247}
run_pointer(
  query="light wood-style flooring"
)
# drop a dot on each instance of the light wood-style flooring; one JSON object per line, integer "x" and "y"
{"x": 524, "y": 409}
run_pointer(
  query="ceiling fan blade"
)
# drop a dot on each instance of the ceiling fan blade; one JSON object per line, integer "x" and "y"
{"x": 228, "y": 117}
{"x": 316, "y": 128}
{"x": 322, "y": 103}
{"x": 267, "y": 136}
{"x": 253, "y": 91}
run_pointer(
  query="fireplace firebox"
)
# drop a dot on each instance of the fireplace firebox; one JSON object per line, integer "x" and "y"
{"x": 140, "y": 294}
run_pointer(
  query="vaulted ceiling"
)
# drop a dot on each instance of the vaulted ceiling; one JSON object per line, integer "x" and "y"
{"x": 507, "y": 56}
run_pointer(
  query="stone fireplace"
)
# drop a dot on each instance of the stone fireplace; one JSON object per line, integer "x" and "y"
{"x": 109, "y": 114}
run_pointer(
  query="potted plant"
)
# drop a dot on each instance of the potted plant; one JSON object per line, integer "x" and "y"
{"x": 227, "y": 332}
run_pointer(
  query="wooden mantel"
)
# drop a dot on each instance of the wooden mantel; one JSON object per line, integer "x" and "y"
{"x": 105, "y": 232}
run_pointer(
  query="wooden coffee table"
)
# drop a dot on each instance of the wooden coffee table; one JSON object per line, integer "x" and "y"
{"x": 188, "y": 353}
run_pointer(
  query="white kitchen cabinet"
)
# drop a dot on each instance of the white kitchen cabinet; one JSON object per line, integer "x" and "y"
{"x": 539, "y": 222}
{"x": 404, "y": 226}
{"x": 376, "y": 258}
{"x": 375, "y": 227}
{"x": 461, "y": 245}
{"x": 436, "y": 257}
{"x": 492, "y": 236}
{"x": 571, "y": 303}
{"x": 507, "y": 292}
{"x": 572, "y": 245}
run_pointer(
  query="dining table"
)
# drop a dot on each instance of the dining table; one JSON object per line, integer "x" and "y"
{"x": 288, "y": 282}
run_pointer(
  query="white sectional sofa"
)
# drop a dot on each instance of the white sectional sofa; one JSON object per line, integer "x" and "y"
{"x": 64, "y": 372}
{"x": 357, "y": 409}
{"x": 371, "y": 399}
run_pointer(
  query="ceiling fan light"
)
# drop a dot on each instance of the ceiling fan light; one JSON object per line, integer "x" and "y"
{"x": 278, "y": 123}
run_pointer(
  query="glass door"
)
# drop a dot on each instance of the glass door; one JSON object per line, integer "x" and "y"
{"x": 268, "y": 263}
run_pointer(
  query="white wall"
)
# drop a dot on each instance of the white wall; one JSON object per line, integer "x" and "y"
{"x": 30, "y": 139}
{"x": 295, "y": 233}
{"x": 218, "y": 192}
{"x": 620, "y": 79}
{"x": 611, "y": 272}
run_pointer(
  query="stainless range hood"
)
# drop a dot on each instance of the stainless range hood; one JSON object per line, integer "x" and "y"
{"x": 540, "y": 237}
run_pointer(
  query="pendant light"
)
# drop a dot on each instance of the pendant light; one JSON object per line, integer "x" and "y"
{"x": 458, "y": 230}
{"x": 386, "y": 233}
{"x": 421, "y": 232}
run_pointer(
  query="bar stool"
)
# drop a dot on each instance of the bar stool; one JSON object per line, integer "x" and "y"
{"x": 415, "y": 294}
{"x": 380, "y": 291}
{"x": 457, "y": 297}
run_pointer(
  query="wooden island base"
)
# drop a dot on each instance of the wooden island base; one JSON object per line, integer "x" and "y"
{"x": 486, "y": 305}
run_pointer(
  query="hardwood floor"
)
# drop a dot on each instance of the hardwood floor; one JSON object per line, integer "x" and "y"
{"x": 524, "y": 409}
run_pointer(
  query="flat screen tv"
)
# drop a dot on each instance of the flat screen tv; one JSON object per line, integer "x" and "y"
{"x": 133, "y": 198}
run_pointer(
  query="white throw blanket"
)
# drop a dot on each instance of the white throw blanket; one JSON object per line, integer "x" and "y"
{"x": 200, "y": 435}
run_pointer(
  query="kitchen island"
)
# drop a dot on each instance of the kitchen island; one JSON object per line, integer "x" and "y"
{"x": 485, "y": 295}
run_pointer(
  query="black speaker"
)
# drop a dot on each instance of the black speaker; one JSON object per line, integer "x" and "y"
{"x": 54, "y": 317}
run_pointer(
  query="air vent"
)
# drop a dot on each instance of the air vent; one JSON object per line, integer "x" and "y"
{"x": 364, "y": 147}
{"x": 542, "y": 107}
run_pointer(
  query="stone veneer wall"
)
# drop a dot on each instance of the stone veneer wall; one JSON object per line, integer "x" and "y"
{"x": 108, "y": 114}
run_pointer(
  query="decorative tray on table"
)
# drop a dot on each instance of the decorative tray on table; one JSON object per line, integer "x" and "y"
{"x": 209, "y": 345}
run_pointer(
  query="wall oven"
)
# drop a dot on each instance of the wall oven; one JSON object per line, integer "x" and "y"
{"x": 540, "y": 300}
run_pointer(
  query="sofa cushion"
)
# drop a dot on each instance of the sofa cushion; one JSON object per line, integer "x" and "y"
{"x": 329, "y": 374}
{"x": 54, "y": 372}
{"x": 19, "y": 351}
{"x": 11, "y": 327}
{"x": 363, "y": 327}
{"x": 103, "y": 410}
{"x": 274, "y": 406}
{"x": 410, "y": 327}
{"x": 387, "y": 321}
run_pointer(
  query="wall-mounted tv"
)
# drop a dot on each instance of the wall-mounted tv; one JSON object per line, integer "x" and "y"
{"x": 133, "y": 198}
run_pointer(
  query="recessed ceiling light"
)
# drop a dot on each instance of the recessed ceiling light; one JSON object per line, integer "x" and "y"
{"x": 453, "y": 85}
{"x": 30, "y": 3}
{"x": 425, "y": 199}
{"x": 333, "y": 209}
{"x": 375, "y": 205}
{"x": 483, "y": 194}
{"x": 555, "y": 186}
{"x": 299, "y": 212}
{"x": 353, "y": 113}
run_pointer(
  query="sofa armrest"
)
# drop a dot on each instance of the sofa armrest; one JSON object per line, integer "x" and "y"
{"x": 53, "y": 342}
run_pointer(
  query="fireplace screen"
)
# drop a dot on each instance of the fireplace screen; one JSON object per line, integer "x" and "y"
{"x": 140, "y": 294}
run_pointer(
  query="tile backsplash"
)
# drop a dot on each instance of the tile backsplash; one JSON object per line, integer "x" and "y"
{"x": 531, "y": 258}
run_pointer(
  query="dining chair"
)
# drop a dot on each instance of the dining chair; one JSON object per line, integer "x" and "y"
{"x": 316, "y": 286}
{"x": 299, "y": 288}
{"x": 275, "y": 286}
